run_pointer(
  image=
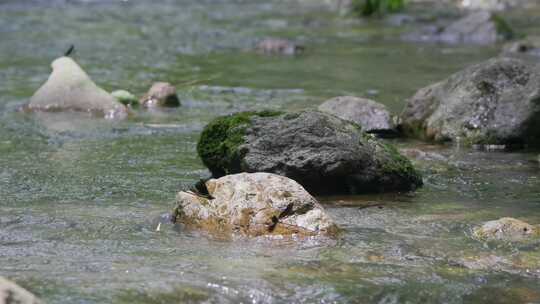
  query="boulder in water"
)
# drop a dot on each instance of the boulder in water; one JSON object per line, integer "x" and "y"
{"x": 372, "y": 116}
{"x": 496, "y": 102}
{"x": 253, "y": 204}
{"x": 322, "y": 152}
{"x": 506, "y": 229}
{"x": 161, "y": 94}
{"x": 278, "y": 46}
{"x": 69, "y": 88}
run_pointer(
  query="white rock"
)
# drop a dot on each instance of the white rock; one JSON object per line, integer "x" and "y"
{"x": 69, "y": 88}
{"x": 11, "y": 293}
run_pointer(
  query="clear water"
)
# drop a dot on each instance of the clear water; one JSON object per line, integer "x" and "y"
{"x": 80, "y": 198}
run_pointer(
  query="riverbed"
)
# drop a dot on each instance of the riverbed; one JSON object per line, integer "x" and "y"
{"x": 81, "y": 197}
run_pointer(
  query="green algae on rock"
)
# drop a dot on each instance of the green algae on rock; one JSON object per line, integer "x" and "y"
{"x": 220, "y": 140}
{"x": 69, "y": 88}
{"x": 125, "y": 97}
{"x": 325, "y": 154}
{"x": 496, "y": 102}
{"x": 253, "y": 204}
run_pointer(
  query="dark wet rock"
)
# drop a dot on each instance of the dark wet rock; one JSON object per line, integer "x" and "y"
{"x": 253, "y": 204}
{"x": 11, "y": 293}
{"x": 506, "y": 229}
{"x": 125, "y": 97}
{"x": 528, "y": 46}
{"x": 372, "y": 116}
{"x": 278, "y": 46}
{"x": 161, "y": 94}
{"x": 325, "y": 154}
{"x": 476, "y": 28}
{"x": 69, "y": 88}
{"x": 496, "y": 102}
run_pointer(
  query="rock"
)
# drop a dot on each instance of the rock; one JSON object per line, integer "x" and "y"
{"x": 372, "y": 116}
{"x": 278, "y": 46}
{"x": 491, "y": 5}
{"x": 69, "y": 88}
{"x": 253, "y": 204}
{"x": 506, "y": 229}
{"x": 161, "y": 94}
{"x": 125, "y": 97}
{"x": 496, "y": 102}
{"x": 11, "y": 293}
{"x": 480, "y": 28}
{"x": 528, "y": 46}
{"x": 325, "y": 154}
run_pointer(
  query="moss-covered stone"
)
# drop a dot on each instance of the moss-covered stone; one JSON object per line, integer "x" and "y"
{"x": 393, "y": 163}
{"x": 325, "y": 154}
{"x": 220, "y": 139}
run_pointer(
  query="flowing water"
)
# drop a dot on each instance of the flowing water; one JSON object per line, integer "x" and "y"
{"x": 80, "y": 197}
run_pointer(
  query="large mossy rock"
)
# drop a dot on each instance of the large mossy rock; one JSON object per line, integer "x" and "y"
{"x": 69, "y": 88}
{"x": 253, "y": 204}
{"x": 492, "y": 103}
{"x": 325, "y": 154}
{"x": 11, "y": 293}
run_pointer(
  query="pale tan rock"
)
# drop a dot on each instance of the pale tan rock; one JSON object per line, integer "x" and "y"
{"x": 506, "y": 229}
{"x": 161, "y": 94}
{"x": 254, "y": 204}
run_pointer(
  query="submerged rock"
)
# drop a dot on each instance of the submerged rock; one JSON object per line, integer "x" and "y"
{"x": 492, "y": 103}
{"x": 506, "y": 229}
{"x": 528, "y": 46}
{"x": 69, "y": 88}
{"x": 11, "y": 293}
{"x": 161, "y": 94}
{"x": 325, "y": 154}
{"x": 372, "y": 116}
{"x": 278, "y": 46}
{"x": 255, "y": 204}
{"x": 125, "y": 97}
{"x": 476, "y": 28}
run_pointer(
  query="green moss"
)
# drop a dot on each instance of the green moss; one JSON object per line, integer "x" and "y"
{"x": 502, "y": 27}
{"x": 218, "y": 146}
{"x": 393, "y": 163}
{"x": 371, "y": 7}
